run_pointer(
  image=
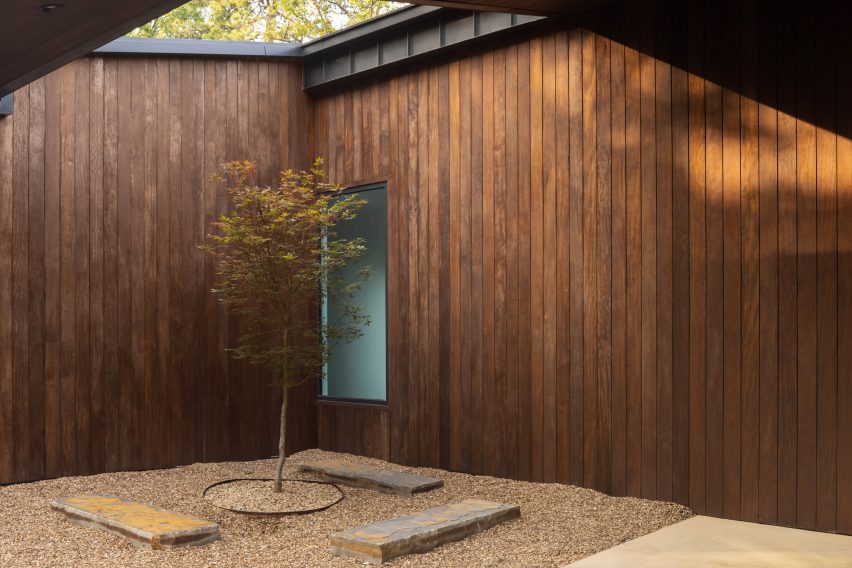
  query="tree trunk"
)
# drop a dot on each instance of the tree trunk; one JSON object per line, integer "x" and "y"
{"x": 282, "y": 440}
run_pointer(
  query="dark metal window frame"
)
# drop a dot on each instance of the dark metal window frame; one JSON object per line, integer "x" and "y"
{"x": 7, "y": 105}
{"x": 367, "y": 402}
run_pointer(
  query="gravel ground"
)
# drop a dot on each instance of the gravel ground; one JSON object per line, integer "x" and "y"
{"x": 558, "y": 524}
{"x": 257, "y": 496}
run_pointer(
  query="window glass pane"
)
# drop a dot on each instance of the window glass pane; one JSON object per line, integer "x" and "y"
{"x": 358, "y": 370}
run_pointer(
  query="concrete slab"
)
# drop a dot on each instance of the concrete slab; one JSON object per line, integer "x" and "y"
{"x": 143, "y": 525}
{"x": 707, "y": 542}
{"x": 384, "y": 480}
{"x": 421, "y": 532}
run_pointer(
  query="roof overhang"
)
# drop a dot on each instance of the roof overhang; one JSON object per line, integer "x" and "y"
{"x": 34, "y": 42}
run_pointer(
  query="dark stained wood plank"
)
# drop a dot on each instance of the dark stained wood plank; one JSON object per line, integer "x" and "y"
{"x": 81, "y": 273}
{"x": 827, "y": 254}
{"x": 697, "y": 263}
{"x": 501, "y": 276}
{"x": 404, "y": 270}
{"x": 680, "y": 255}
{"x": 431, "y": 437}
{"x": 35, "y": 451}
{"x": 768, "y": 235}
{"x": 633, "y": 317}
{"x": 52, "y": 328}
{"x": 395, "y": 372}
{"x": 715, "y": 416}
{"x": 549, "y": 239}
{"x": 513, "y": 261}
{"x": 603, "y": 269}
{"x": 20, "y": 288}
{"x": 443, "y": 274}
{"x": 648, "y": 209}
{"x": 110, "y": 224}
{"x": 537, "y": 284}
{"x": 591, "y": 430}
{"x": 806, "y": 269}
{"x": 750, "y": 223}
{"x": 97, "y": 275}
{"x": 175, "y": 391}
{"x": 563, "y": 282}
{"x": 7, "y": 443}
{"x": 162, "y": 254}
{"x": 576, "y": 467}
{"x": 619, "y": 272}
{"x": 476, "y": 265}
{"x": 456, "y": 378}
{"x": 664, "y": 176}
{"x": 787, "y": 312}
{"x": 422, "y": 262}
{"x": 413, "y": 217}
{"x": 844, "y": 276}
{"x": 67, "y": 280}
{"x": 148, "y": 275}
{"x": 525, "y": 292}
{"x": 135, "y": 221}
{"x": 731, "y": 214}
{"x": 489, "y": 430}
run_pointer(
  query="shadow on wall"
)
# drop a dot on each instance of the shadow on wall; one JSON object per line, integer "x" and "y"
{"x": 748, "y": 100}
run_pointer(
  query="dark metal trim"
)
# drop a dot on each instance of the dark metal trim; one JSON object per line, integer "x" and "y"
{"x": 7, "y": 105}
{"x": 199, "y": 48}
{"x": 383, "y": 23}
{"x": 354, "y": 402}
{"x": 400, "y": 37}
{"x": 368, "y": 402}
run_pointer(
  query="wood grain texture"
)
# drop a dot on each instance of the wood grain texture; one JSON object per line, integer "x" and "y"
{"x": 112, "y": 348}
{"x": 663, "y": 265}
{"x": 619, "y": 256}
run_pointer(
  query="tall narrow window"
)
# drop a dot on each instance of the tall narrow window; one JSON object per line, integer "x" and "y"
{"x": 358, "y": 370}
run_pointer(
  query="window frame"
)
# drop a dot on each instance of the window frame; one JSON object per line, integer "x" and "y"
{"x": 367, "y": 402}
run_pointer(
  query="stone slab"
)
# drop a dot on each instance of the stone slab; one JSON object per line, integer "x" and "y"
{"x": 144, "y": 526}
{"x": 378, "y": 542}
{"x": 384, "y": 480}
{"x": 706, "y": 542}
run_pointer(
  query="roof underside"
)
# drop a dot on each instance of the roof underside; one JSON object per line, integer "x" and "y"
{"x": 34, "y": 42}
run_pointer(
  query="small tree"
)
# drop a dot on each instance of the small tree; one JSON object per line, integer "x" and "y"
{"x": 276, "y": 254}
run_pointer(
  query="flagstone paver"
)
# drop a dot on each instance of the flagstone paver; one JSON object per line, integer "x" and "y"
{"x": 143, "y": 525}
{"x": 358, "y": 475}
{"x": 421, "y": 532}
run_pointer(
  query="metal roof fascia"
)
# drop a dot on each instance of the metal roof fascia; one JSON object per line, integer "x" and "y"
{"x": 199, "y": 48}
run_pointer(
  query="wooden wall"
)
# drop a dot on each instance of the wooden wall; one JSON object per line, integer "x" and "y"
{"x": 621, "y": 256}
{"x": 111, "y": 346}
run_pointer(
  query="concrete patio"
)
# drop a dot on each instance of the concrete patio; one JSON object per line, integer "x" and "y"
{"x": 707, "y": 542}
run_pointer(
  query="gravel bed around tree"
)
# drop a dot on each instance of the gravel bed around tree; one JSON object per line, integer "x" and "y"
{"x": 257, "y": 496}
{"x": 558, "y": 524}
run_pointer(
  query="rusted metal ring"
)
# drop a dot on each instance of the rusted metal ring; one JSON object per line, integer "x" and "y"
{"x": 275, "y": 513}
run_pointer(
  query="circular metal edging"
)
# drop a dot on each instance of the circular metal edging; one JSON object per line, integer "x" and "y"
{"x": 273, "y": 513}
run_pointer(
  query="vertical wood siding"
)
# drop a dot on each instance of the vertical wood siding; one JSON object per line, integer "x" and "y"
{"x": 111, "y": 346}
{"x": 620, "y": 256}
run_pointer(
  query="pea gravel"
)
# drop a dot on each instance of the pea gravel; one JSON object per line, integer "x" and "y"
{"x": 257, "y": 496}
{"x": 558, "y": 524}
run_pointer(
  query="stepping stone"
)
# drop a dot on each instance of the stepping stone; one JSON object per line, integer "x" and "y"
{"x": 143, "y": 525}
{"x": 421, "y": 532}
{"x": 384, "y": 480}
